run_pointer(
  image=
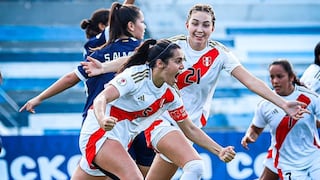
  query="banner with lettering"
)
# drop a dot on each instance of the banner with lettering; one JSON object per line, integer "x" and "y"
{"x": 55, "y": 157}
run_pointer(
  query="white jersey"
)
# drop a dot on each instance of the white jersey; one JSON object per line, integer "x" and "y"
{"x": 139, "y": 105}
{"x": 311, "y": 78}
{"x": 296, "y": 142}
{"x": 198, "y": 81}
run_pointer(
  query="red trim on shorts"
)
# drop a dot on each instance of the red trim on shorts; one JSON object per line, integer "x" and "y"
{"x": 91, "y": 146}
{"x": 147, "y": 132}
{"x": 269, "y": 155}
{"x": 203, "y": 120}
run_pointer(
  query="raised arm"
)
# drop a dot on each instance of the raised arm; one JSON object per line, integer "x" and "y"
{"x": 292, "y": 108}
{"x": 109, "y": 94}
{"x": 93, "y": 67}
{"x": 65, "y": 82}
{"x": 251, "y": 135}
{"x": 196, "y": 135}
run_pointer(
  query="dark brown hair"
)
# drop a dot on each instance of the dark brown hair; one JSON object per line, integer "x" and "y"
{"x": 120, "y": 16}
{"x": 91, "y": 25}
{"x": 151, "y": 50}
{"x": 288, "y": 68}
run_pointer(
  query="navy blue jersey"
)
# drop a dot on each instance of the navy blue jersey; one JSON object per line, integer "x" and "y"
{"x": 94, "y": 85}
{"x": 94, "y": 42}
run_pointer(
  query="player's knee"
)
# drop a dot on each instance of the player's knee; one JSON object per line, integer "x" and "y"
{"x": 195, "y": 167}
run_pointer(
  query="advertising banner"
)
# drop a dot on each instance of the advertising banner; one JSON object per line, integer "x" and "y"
{"x": 55, "y": 157}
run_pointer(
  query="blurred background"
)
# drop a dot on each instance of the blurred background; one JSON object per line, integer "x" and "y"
{"x": 41, "y": 40}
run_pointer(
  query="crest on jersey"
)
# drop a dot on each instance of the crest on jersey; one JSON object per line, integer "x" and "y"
{"x": 206, "y": 61}
{"x": 122, "y": 81}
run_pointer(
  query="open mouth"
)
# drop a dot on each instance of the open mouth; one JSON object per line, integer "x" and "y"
{"x": 176, "y": 76}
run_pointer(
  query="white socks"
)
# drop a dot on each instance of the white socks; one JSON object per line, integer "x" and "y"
{"x": 192, "y": 170}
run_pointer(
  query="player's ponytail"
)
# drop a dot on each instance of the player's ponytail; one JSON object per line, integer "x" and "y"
{"x": 140, "y": 55}
{"x": 120, "y": 16}
{"x": 150, "y": 51}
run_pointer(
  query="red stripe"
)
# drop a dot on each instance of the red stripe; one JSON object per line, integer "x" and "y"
{"x": 147, "y": 132}
{"x": 269, "y": 155}
{"x": 286, "y": 124}
{"x": 315, "y": 142}
{"x": 153, "y": 108}
{"x": 91, "y": 146}
{"x": 198, "y": 70}
{"x": 280, "y": 174}
{"x": 203, "y": 120}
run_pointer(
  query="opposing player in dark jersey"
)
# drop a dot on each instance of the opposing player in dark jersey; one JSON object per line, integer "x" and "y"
{"x": 94, "y": 29}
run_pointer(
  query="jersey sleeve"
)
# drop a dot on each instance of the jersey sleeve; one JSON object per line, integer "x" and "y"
{"x": 230, "y": 60}
{"x": 311, "y": 78}
{"x": 123, "y": 82}
{"x": 258, "y": 117}
{"x": 317, "y": 107}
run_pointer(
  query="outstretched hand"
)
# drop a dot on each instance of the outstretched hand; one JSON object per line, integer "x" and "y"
{"x": 30, "y": 105}
{"x": 296, "y": 109}
{"x": 92, "y": 67}
{"x": 246, "y": 140}
{"x": 227, "y": 154}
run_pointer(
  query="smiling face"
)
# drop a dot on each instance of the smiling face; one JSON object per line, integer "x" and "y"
{"x": 280, "y": 80}
{"x": 200, "y": 26}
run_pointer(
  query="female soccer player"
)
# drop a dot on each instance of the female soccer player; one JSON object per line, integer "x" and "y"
{"x": 295, "y": 143}
{"x": 205, "y": 59}
{"x": 311, "y": 76}
{"x": 130, "y": 103}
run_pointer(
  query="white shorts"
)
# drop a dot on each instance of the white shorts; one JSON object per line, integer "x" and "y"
{"x": 159, "y": 132}
{"x": 269, "y": 163}
{"x": 90, "y": 170}
{"x": 310, "y": 173}
{"x": 92, "y": 138}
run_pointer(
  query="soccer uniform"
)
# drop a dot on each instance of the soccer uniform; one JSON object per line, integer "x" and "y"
{"x": 94, "y": 42}
{"x": 198, "y": 80}
{"x": 94, "y": 85}
{"x": 268, "y": 161}
{"x": 139, "y": 104}
{"x": 296, "y": 150}
{"x": 311, "y": 78}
